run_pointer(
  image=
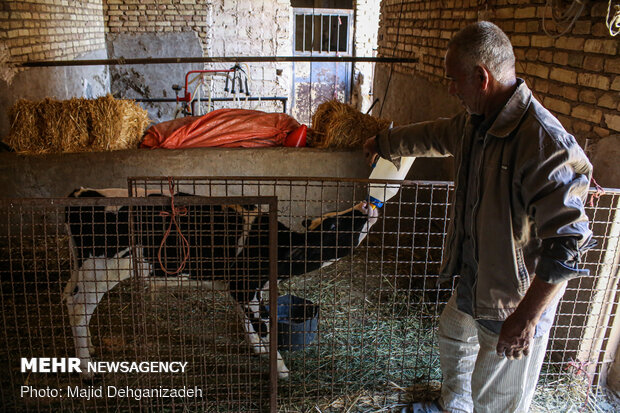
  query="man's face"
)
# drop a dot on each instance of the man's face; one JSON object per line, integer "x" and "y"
{"x": 465, "y": 86}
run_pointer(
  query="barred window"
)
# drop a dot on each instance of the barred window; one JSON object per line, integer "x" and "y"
{"x": 324, "y": 31}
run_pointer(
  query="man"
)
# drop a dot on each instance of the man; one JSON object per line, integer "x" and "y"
{"x": 517, "y": 228}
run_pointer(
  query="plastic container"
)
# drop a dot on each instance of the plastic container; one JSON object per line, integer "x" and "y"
{"x": 378, "y": 194}
{"x": 298, "y": 320}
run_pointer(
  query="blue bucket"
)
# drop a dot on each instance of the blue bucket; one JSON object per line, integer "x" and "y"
{"x": 298, "y": 320}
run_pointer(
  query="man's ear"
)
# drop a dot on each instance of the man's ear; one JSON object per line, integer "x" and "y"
{"x": 483, "y": 75}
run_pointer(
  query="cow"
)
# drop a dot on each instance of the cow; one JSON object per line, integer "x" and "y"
{"x": 228, "y": 244}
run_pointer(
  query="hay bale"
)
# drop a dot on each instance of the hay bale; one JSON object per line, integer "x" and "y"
{"x": 23, "y": 117}
{"x": 51, "y": 123}
{"x": 76, "y": 125}
{"x": 338, "y": 125}
{"x": 107, "y": 124}
{"x": 136, "y": 120}
{"x": 76, "y": 137}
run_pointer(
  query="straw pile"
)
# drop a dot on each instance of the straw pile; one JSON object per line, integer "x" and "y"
{"x": 75, "y": 125}
{"x": 338, "y": 125}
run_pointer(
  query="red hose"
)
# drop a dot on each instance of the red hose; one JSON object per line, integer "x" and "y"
{"x": 182, "y": 211}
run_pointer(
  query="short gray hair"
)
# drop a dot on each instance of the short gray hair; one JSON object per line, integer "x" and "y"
{"x": 484, "y": 43}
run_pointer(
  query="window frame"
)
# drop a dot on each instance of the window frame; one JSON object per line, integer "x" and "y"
{"x": 303, "y": 11}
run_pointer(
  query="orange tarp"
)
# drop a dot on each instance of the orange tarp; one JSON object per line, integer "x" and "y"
{"x": 224, "y": 128}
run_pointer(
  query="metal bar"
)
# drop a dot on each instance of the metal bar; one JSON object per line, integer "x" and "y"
{"x": 177, "y": 60}
{"x": 281, "y": 99}
{"x": 312, "y": 38}
{"x": 321, "y": 35}
{"x": 273, "y": 304}
{"x": 132, "y": 201}
{"x": 324, "y": 179}
{"x": 329, "y": 33}
{"x": 338, "y": 35}
{"x": 138, "y": 285}
{"x": 350, "y": 34}
{"x": 302, "y": 179}
{"x": 303, "y": 43}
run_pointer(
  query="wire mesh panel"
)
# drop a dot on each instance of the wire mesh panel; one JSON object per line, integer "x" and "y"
{"x": 582, "y": 343}
{"x": 70, "y": 341}
{"x": 379, "y": 304}
{"x": 357, "y": 302}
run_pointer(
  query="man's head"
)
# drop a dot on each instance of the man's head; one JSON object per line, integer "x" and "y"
{"x": 479, "y": 62}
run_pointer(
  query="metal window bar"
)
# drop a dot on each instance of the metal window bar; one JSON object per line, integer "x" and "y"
{"x": 380, "y": 306}
{"x": 135, "y": 322}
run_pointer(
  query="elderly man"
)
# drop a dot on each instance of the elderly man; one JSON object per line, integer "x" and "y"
{"x": 517, "y": 228}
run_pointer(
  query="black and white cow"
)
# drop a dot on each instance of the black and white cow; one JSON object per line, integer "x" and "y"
{"x": 228, "y": 243}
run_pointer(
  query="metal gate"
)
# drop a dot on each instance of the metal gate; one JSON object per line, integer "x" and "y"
{"x": 380, "y": 308}
{"x": 157, "y": 342}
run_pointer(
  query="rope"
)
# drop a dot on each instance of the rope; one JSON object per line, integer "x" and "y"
{"x": 182, "y": 211}
{"x": 599, "y": 192}
{"x": 567, "y": 17}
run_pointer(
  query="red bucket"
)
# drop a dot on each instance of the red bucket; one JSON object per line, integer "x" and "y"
{"x": 297, "y": 138}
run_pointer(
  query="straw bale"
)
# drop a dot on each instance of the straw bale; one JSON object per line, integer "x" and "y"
{"x": 76, "y": 137}
{"x": 106, "y": 126}
{"x": 338, "y": 125}
{"x": 76, "y": 125}
{"x": 51, "y": 124}
{"x": 136, "y": 120}
{"x": 23, "y": 116}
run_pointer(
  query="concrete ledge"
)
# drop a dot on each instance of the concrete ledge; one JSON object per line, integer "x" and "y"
{"x": 57, "y": 175}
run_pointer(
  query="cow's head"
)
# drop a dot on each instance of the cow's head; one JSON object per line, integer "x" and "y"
{"x": 356, "y": 221}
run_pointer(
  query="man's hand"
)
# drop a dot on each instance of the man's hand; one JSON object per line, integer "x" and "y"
{"x": 371, "y": 150}
{"x": 515, "y": 337}
{"x": 518, "y": 329}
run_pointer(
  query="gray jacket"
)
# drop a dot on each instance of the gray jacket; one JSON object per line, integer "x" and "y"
{"x": 529, "y": 216}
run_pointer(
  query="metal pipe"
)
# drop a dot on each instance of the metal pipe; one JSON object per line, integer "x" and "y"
{"x": 282, "y": 99}
{"x": 270, "y": 98}
{"x": 187, "y": 96}
{"x": 176, "y": 60}
{"x": 273, "y": 304}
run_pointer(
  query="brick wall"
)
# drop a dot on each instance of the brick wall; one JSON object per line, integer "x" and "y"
{"x": 576, "y": 76}
{"x": 51, "y": 30}
{"x": 140, "y": 16}
{"x": 254, "y": 28}
{"x": 224, "y": 28}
